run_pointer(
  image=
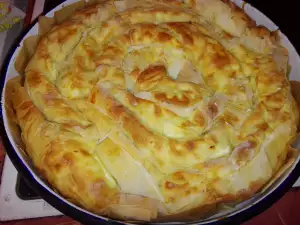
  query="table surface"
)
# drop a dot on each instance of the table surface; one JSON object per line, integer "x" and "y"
{"x": 286, "y": 210}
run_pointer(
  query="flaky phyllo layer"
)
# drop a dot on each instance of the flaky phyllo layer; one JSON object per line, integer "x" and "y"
{"x": 143, "y": 109}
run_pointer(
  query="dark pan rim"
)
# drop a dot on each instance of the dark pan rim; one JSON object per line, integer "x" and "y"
{"x": 85, "y": 218}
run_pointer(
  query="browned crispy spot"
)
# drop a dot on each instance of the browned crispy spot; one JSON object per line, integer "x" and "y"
{"x": 170, "y": 185}
{"x": 135, "y": 73}
{"x": 25, "y": 105}
{"x": 213, "y": 109}
{"x": 34, "y": 78}
{"x": 42, "y": 51}
{"x": 190, "y": 145}
{"x": 105, "y": 25}
{"x": 188, "y": 39}
{"x": 57, "y": 167}
{"x": 164, "y": 37}
{"x": 83, "y": 152}
{"x": 159, "y": 10}
{"x": 178, "y": 176}
{"x": 134, "y": 101}
{"x": 243, "y": 194}
{"x": 186, "y": 124}
{"x": 93, "y": 98}
{"x": 89, "y": 51}
{"x": 295, "y": 87}
{"x": 150, "y": 76}
{"x": 262, "y": 126}
{"x": 29, "y": 113}
{"x": 227, "y": 35}
{"x": 157, "y": 110}
{"x": 183, "y": 31}
{"x": 63, "y": 37}
{"x": 242, "y": 153}
{"x": 275, "y": 100}
{"x": 176, "y": 148}
{"x": 199, "y": 119}
{"x": 148, "y": 27}
{"x": 140, "y": 135}
{"x": 220, "y": 60}
{"x": 211, "y": 139}
{"x": 68, "y": 158}
{"x": 183, "y": 101}
{"x": 112, "y": 50}
{"x": 230, "y": 118}
{"x": 271, "y": 78}
{"x": 117, "y": 110}
{"x": 263, "y": 32}
{"x": 253, "y": 188}
{"x": 80, "y": 62}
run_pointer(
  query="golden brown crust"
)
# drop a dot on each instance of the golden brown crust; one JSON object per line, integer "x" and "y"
{"x": 147, "y": 108}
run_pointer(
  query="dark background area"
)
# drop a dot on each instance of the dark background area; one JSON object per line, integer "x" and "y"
{"x": 285, "y": 14}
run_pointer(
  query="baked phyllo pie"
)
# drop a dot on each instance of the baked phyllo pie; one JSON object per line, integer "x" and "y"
{"x": 141, "y": 110}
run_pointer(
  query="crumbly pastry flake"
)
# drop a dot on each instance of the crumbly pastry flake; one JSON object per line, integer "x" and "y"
{"x": 142, "y": 110}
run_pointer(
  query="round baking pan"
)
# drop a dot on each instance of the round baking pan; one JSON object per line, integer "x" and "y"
{"x": 239, "y": 214}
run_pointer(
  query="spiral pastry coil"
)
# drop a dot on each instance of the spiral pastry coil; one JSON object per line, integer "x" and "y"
{"x": 142, "y": 109}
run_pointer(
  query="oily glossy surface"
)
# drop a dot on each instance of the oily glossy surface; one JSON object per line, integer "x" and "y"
{"x": 194, "y": 104}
